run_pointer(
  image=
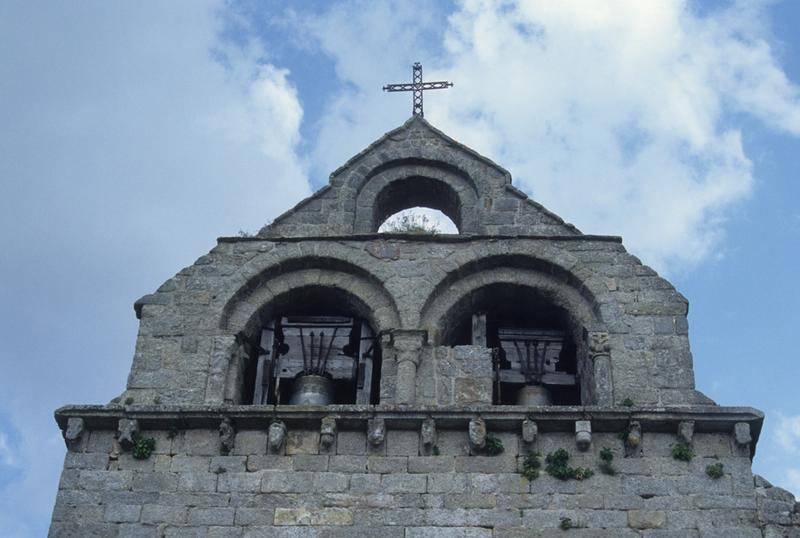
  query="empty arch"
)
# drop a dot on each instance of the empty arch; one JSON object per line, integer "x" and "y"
{"x": 405, "y": 186}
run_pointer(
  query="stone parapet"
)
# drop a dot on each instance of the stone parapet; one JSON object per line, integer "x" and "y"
{"x": 391, "y": 485}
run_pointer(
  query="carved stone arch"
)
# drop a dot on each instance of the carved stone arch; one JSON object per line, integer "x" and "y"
{"x": 276, "y": 278}
{"x": 278, "y": 289}
{"x": 366, "y": 298}
{"x": 454, "y": 298}
{"x": 357, "y": 182}
{"x": 563, "y": 269}
{"x": 402, "y": 184}
{"x": 437, "y": 317}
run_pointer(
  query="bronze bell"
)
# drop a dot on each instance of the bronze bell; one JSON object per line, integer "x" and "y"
{"x": 310, "y": 389}
{"x": 534, "y": 395}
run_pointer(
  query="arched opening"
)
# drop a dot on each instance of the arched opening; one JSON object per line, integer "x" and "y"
{"x": 314, "y": 345}
{"x": 418, "y": 220}
{"x": 534, "y": 340}
{"x": 417, "y": 192}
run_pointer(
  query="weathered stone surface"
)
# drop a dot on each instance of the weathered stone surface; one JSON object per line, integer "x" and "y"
{"x": 276, "y": 435}
{"x": 305, "y": 516}
{"x": 415, "y": 465}
{"x": 646, "y": 519}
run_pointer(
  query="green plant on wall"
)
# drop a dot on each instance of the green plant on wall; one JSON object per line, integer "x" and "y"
{"x": 606, "y": 457}
{"x": 682, "y": 452}
{"x": 143, "y": 447}
{"x": 494, "y": 445}
{"x": 558, "y": 466}
{"x": 715, "y": 470}
{"x": 531, "y": 466}
{"x": 623, "y": 435}
{"x": 566, "y": 524}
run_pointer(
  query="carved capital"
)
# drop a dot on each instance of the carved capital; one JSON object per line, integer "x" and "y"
{"x": 599, "y": 345}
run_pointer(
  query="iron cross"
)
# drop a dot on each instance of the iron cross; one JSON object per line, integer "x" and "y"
{"x": 417, "y": 86}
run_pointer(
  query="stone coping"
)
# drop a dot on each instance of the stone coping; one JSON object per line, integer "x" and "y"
{"x": 707, "y": 418}
{"x": 436, "y": 238}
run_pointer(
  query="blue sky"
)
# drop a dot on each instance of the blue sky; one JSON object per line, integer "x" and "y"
{"x": 136, "y": 133}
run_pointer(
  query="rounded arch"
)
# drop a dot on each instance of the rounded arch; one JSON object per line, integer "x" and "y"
{"x": 403, "y": 186}
{"x": 527, "y": 285}
{"x": 445, "y": 309}
{"x": 278, "y": 284}
{"x": 523, "y": 262}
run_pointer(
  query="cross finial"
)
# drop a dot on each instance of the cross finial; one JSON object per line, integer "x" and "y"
{"x": 417, "y": 86}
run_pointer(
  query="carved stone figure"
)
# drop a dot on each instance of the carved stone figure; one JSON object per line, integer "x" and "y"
{"x": 127, "y": 430}
{"x": 327, "y": 434}
{"x": 74, "y": 432}
{"x": 276, "y": 435}
{"x": 477, "y": 434}
{"x": 227, "y": 435}
{"x": 427, "y": 436}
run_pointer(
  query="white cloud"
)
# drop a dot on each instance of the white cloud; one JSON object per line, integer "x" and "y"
{"x": 6, "y": 455}
{"x": 133, "y": 135}
{"x": 787, "y": 433}
{"x": 616, "y": 115}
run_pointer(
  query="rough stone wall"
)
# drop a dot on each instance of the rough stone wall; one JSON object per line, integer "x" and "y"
{"x": 455, "y": 376}
{"x": 186, "y": 488}
{"x": 188, "y": 330}
{"x": 475, "y": 192}
{"x": 415, "y": 465}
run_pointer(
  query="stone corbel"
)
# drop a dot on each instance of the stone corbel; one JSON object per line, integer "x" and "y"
{"x": 227, "y": 436}
{"x": 600, "y": 355}
{"x": 127, "y": 430}
{"x": 529, "y": 431}
{"x": 583, "y": 434}
{"x": 376, "y": 431}
{"x": 74, "y": 432}
{"x": 477, "y": 435}
{"x": 686, "y": 431}
{"x": 327, "y": 435}
{"x": 276, "y": 435}
{"x": 633, "y": 440}
{"x": 427, "y": 437}
{"x": 742, "y": 437}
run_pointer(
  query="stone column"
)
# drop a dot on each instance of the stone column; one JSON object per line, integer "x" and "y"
{"x": 600, "y": 355}
{"x": 407, "y": 346}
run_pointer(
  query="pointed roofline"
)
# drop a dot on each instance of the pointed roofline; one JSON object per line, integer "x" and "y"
{"x": 423, "y": 122}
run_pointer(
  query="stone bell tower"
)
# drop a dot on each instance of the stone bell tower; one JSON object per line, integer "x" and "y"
{"x": 519, "y": 378}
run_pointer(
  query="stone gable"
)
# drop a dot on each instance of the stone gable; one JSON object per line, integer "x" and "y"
{"x": 518, "y": 378}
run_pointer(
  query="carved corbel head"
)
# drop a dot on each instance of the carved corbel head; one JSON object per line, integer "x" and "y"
{"x": 227, "y": 435}
{"x": 376, "y": 431}
{"x": 583, "y": 434}
{"x": 276, "y": 435}
{"x": 327, "y": 434}
{"x": 427, "y": 437}
{"x": 127, "y": 430}
{"x": 529, "y": 431}
{"x": 477, "y": 434}
{"x": 74, "y": 432}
